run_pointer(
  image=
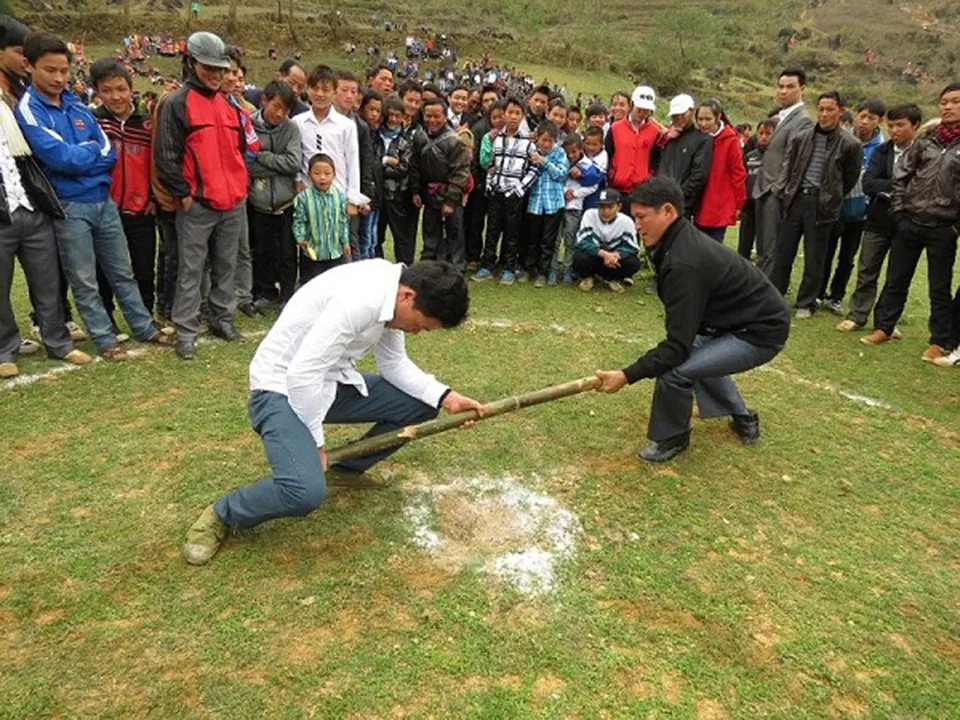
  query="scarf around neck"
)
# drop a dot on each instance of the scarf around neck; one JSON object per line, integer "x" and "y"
{"x": 11, "y": 131}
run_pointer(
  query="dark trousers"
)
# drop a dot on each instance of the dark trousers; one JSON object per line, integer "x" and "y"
{"x": 474, "y": 220}
{"x": 141, "y": 234}
{"x": 274, "y": 254}
{"x": 873, "y": 251}
{"x": 309, "y": 269}
{"x": 909, "y": 242}
{"x": 504, "y": 215}
{"x": 166, "y": 262}
{"x": 398, "y": 215}
{"x": 768, "y": 229}
{"x": 706, "y": 374}
{"x": 748, "y": 229}
{"x": 30, "y": 238}
{"x": 297, "y": 484}
{"x": 714, "y": 233}
{"x": 955, "y": 339}
{"x": 62, "y": 298}
{"x": 586, "y": 265}
{"x": 544, "y": 230}
{"x": 846, "y": 234}
{"x": 443, "y": 236}
{"x": 801, "y": 220}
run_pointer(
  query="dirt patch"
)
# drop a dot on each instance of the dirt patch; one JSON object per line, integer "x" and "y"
{"x": 671, "y": 688}
{"x": 548, "y": 687}
{"x": 50, "y": 442}
{"x": 846, "y": 706}
{"x": 710, "y": 710}
{"x": 901, "y": 642}
{"x": 48, "y": 617}
{"x": 310, "y": 643}
{"x": 949, "y": 650}
{"x": 653, "y": 615}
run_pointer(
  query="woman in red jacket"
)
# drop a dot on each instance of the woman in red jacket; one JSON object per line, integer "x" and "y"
{"x": 725, "y": 193}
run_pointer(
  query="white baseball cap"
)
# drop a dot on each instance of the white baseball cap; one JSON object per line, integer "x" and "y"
{"x": 680, "y": 104}
{"x": 644, "y": 98}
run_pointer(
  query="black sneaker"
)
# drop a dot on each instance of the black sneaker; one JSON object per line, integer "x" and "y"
{"x": 186, "y": 349}
{"x": 747, "y": 427}
{"x": 225, "y": 331}
{"x": 249, "y": 309}
{"x": 665, "y": 450}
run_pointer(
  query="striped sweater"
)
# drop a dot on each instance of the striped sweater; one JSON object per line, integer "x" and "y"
{"x": 619, "y": 235}
{"x": 320, "y": 220}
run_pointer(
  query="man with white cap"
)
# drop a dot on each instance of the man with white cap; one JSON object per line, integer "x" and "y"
{"x": 199, "y": 154}
{"x": 684, "y": 153}
{"x": 630, "y": 142}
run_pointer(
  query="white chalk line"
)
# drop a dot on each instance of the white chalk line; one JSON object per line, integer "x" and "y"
{"x": 31, "y": 378}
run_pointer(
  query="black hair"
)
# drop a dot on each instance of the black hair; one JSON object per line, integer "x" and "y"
{"x": 796, "y": 72}
{"x": 458, "y": 86}
{"x": 36, "y": 45}
{"x": 281, "y": 91}
{"x": 500, "y": 105}
{"x": 774, "y": 113}
{"x": 846, "y": 117}
{"x": 490, "y": 89}
{"x": 657, "y": 191}
{"x": 321, "y": 158}
{"x": 512, "y": 101}
{"x": 322, "y": 74}
{"x": 572, "y": 139}
{"x": 371, "y": 96}
{"x": 906, "y": 112}
{"x": 435, "y": 89}
{"x": 557, "y": 102}
{"x": 375, "y": 70}
{"x": 831, "y": 95}
{"x": 408, "y": 87}
{"x": 234, "y": 53}
{"x": 593, "y": 131}
{"x": 716, "y": 108}
{"x": 952, "y": 87}
{"x": 768, "y": 123}
{"x": 619, "y": 93}
{"x": 541, "y": 90}
{"x": 12, "y": 32}
{"x": 574, "y": 108}
{"x": 433, "y": 101}
{"x": 548, "y": 128}
{"x": 595, "y": 109}
{"x": 391, "y": 102}
{"x": 287, "y": 65}
{"x": 441, "y": 291}
{"x": 347, "y": 76}
{"x": 873, "y": 106}
{"x": 106, "y": 69}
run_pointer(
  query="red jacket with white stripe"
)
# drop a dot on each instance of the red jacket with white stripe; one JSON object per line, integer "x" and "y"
{"x": 131, "y": 140}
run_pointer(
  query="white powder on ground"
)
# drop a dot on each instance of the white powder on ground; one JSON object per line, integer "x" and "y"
{"x": 496, "y": 525}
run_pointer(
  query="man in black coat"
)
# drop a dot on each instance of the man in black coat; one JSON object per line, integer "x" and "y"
{"x": 686, "y": 155}
{"x": 723, "y": 316}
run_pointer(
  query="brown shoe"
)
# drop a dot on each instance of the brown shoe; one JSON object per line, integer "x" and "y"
{"x": 162, "y": 339}
{"x": 933, "y": 353}
{"x": 114, "y": 353}
{"x": 8, "y": 370}
{"x": 875, "y": 338}
{"x": 77, "y": 357}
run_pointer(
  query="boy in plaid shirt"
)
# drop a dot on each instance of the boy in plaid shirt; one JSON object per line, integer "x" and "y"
{"x": 546, "y": 203}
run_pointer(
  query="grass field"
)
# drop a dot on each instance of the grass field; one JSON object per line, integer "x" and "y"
{"x": 815, "y": 575}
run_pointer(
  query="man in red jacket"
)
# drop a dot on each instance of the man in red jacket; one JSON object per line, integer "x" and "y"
{"x": 129, "y": 131}
{"x": 630, "y": 142}
{"x": 200, "y": 161}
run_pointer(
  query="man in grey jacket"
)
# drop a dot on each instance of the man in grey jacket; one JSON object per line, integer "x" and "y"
{"x": 273, "y": 174}
{"x": 793, "y": 118}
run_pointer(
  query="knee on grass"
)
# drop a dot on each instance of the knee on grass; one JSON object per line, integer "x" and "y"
{"x": 304, "y": 498}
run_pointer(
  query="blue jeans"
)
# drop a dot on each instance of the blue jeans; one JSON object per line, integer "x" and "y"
{"x": 298, "y": 485}
{"x": 368, "y": 234}
{"x": 705, "y": 373}
{"x": 91, "y": 234}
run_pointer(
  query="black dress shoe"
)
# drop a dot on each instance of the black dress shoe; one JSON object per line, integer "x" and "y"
{"x": 186, "y": 349}
{"x": 225, "y": 331}
{"x": 249, "y": 309}
{"x": 747, "y": 427}
{"x": 664, "y": 450}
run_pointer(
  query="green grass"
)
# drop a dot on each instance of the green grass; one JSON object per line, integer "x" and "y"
{"x": 812, "y": 576}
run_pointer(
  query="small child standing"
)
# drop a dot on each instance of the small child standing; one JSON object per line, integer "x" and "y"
{"x": 545, "y": 207}
{"x": 320, "y": 221}
{"x": 583, "y": 180}
{"x": 595, "y": 154}
{"x": 753, "y": 160}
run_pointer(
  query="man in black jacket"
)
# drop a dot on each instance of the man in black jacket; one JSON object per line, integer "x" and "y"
{"x": 902, "y": 122}
{"x": 722, "y": 317}
{"x": 822, "y": 166}
{"x": 686, "y": 155}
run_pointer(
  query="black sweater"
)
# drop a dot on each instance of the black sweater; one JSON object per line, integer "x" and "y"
{"x": 708, "y": 289}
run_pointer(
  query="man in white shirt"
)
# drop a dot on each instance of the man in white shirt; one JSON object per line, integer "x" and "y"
{"x": 304, "y": 374}
{"x": 324, "y": 130}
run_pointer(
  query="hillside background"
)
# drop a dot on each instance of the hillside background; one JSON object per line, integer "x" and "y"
{"x": 728, "y": 48}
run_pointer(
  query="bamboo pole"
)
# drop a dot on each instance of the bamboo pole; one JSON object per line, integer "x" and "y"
{"x": 449, "y": 422}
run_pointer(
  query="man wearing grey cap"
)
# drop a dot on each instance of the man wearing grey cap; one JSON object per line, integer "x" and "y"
{"x": 199, "y": 154}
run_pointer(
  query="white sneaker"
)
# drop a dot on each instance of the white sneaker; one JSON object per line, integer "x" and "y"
{"x": 804, "y": 314}
{"x": 76, "y": 333}
{"x": 122, "y": 338}
{"x": 28, "y": 347}
{"x": 951, "y": 360}
{"x": 848, "y": 326}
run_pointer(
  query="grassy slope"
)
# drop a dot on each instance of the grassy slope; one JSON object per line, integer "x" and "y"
{"x": 814, "y": 575}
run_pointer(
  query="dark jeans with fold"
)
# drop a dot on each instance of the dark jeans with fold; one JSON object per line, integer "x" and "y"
{"x": 297, "y": 484}
{"x": 909, "y": 242}
{"x": 504, "y": 216}
{"x": 873, "y": 251}
{"x": 166, "y": 262}
{"x": 706, "y": 375}
{"x": 748, "y": 229}
{"x": 474, "y": 221}
{"x": 443, "y": 236}
{"x": 801, "y": 221}
{"x": 399, "y": 215}
{"x": 274, "y": 254}
{"x": 542, "y": 241}
{"x": 309, "y": 269}
{"x": 714, "y": 233}
{"x": 141, "y": 234}
{"x": 846, "y": 234}
{"x": 588, "y": 265}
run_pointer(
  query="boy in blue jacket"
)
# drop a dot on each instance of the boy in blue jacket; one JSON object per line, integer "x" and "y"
{"x": 545, "y": 206}
{"x": 77, "y": 158}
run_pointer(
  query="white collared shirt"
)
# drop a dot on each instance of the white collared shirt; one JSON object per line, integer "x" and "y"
{"x": 12, "y": 183}
{"x": 328, "y": 325}
{"x": 336, "y": 136}
{"x": 787, "y": 112}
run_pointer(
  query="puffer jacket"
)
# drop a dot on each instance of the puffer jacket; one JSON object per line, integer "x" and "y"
{"x": 687, "y": 159}
{"x": 841, "y": 170}
{"x": 41, "y": 193}
{"x": 926, "y": 182}
{"x": 439, "y": 168}
{"x": 396, "y": 179}
{"x": 274, "y": 169}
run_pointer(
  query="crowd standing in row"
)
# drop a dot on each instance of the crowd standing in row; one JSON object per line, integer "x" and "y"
{"x": 250, "y": 189}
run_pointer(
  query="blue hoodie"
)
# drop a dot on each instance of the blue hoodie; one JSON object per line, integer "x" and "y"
{"x": 855, "y": 203}
{"x": 73, "y": 151}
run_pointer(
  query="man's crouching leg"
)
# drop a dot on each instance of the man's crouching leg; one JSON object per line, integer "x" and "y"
{"x": 296, "y": 487}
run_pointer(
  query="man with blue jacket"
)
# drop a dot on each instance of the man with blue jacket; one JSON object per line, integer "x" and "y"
{"x": 77, "y": 158}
